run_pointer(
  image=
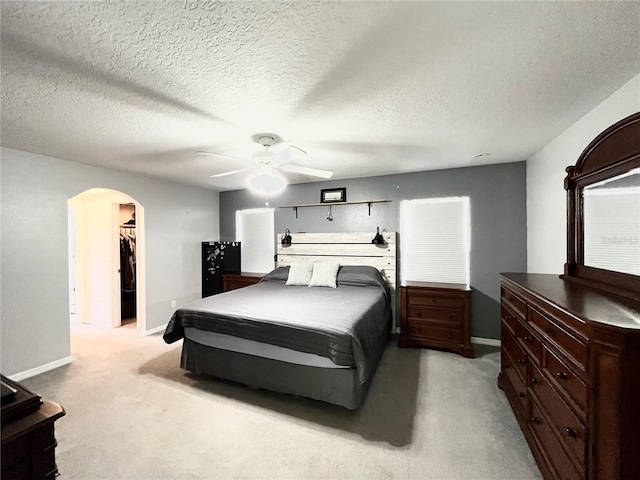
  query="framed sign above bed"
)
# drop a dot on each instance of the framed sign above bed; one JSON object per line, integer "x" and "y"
{"x": 333, "y": 195}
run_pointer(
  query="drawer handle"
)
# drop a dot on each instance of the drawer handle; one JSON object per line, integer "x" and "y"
{"x": 450, "y": 316}
{"x": 571, "y": 432}
{"x": 507, "y": 317}
{"x": 417, "y": 313}
{"x": 550, "y": 331}
{"x": 535, "y": 420}
{"x": 433, "y": 300}
{"x": 561, "y": 375}
{"x": 522, "y": 394}
{"x": 522, "y": 361}
{"x": 535, "y": 381}
{"x": 527, "y": 338}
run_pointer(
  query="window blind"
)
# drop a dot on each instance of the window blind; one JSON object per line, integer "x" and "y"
{"x": 436, "y": 240}
{"x": 255, "y": 231}
{"x": 612, "y": 229}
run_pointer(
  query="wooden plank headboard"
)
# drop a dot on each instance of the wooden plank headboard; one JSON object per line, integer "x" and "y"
{"x": 343, "y": 248}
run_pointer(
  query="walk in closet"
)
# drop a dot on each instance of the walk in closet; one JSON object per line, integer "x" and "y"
{"x": 127, "y": 262}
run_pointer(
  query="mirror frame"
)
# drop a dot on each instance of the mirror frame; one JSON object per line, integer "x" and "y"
{"x": 614, "y": 152}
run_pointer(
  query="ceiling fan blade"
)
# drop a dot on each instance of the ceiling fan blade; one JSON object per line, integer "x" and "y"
{"x": 211, "y": 154}
{"x": 314, "y": 172}
{"x": 231, "y": 172}
{"x": 298, "y": 148}
{"x": 284, "y": 155}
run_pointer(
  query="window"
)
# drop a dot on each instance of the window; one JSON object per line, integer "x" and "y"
{"x": 255, "y": 231}
{"x": 436, "y": 240}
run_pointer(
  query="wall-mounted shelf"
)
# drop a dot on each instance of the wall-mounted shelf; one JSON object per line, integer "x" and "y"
{"x": 332, "y": 204}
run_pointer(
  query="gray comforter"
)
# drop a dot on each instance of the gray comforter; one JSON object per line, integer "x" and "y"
{"x": 345, "y": 324}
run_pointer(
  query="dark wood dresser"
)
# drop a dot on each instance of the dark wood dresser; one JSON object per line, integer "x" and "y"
{"x": 570, "y": 368}
{"x": 28, "y": 440}
{"x": 231, "y": 281}
{"x": 436, "y": 315}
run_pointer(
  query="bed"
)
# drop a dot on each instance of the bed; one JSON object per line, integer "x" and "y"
{"x": 317, "y": 342}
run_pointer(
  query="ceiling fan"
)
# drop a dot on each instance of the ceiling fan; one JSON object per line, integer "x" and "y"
{"x": 269, "y": 161}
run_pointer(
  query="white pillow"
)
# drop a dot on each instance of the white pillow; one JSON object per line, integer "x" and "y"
{"x": 324, "y": 274}
{"x": 300, "y": 273}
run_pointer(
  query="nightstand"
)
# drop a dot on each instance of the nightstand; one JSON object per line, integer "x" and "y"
{"x": 28, "y": 437}
{"x": 436, "y": 315}
{"x": 232, "y": 281}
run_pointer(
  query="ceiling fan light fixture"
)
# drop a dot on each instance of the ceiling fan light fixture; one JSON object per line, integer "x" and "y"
{"x": 267, "y": 183}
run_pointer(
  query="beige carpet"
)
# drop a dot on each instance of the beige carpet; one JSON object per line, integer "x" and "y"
{"x": 133, "y": 414}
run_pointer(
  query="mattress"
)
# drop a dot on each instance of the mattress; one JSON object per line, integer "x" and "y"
{"x": 345, "y": 325}
{"x": 258, "y": 349}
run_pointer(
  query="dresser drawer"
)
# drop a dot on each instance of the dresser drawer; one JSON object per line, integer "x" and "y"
{"x": 515, "y": 352}
{"x": 557, "y": 336}
{"x": 544, "y": 436}
{"x": 508, "y": 319}
{"x": 418, "y": 297}
{"x": 509, "y": 368}
{"x": 435, "y": 316}
{"x": 566, "y": 423}
{"x": 566, "y": 380}
{"x": 518, "y": 304}
{"x": 438, "y": 333}
{"x": 529, "y": 341}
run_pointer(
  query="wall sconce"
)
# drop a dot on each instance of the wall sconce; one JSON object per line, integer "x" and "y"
{"x": 286, "y": 238}
{"x": 378, "y": 239}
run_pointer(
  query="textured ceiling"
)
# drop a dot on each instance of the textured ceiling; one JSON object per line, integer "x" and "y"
{"x": 367, "y": 88}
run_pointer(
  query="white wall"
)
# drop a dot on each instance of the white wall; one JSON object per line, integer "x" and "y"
{"x": 34, "y": 320}
{"x": 95, "y": 236}
{"x": 546, "y": 197}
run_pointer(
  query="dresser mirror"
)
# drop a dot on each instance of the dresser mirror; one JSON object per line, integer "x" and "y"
{"x": 611, "y": 212}
{"x": 603, "y": 211}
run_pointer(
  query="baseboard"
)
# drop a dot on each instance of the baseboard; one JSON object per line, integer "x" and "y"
{"x": 486, "y": 341}
{"x": 156, "y": 329}
{"x": 32, "y": 372}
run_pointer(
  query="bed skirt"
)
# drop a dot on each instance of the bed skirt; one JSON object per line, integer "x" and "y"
{"x": 339, "y": 386}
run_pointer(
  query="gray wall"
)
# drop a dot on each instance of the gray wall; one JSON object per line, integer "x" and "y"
{"x": 34, "y": 298}
{"x": 498, "y": 219}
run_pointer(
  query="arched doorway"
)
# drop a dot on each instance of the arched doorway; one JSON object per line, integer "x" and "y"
{"x": 98, "y": 286}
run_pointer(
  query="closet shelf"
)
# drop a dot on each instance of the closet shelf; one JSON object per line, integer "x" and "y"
{"x": 332, "y": 204}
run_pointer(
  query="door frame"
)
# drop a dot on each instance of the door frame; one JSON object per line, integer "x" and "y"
{"x": 113, "y": 258}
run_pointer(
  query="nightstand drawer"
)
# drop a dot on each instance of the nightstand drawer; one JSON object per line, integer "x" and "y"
{"x": 435, "y": 315}
{"x": 233, "y": 281}
{"x": 426, "y": 330}
{"x": 427, "y": 299}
